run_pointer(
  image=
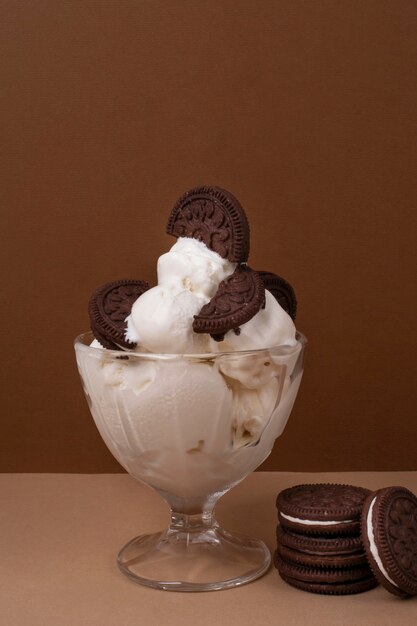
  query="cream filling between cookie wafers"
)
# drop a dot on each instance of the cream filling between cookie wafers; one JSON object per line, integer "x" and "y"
{"x": 314, "y": 522}
{"x": 374, "y": 549}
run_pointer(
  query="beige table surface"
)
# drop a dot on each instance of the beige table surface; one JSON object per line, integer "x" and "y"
{"x": 59, "y": 535}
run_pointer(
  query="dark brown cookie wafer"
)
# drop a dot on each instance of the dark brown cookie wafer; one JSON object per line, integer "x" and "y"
{"x": 282, "y": 292}
{"x": 108, "y": 308}
{"x": 321, "y": 574}
{"x": 332, "y": 589}
{"x": 389, "y": 533}
{"x": 323, "y": 545}
{"x": 215, "y": 217}
{"x": 321, "y": 508}
{"x": 326, "y": 561}
{"x": 238, "y": 298}
{"x": 105, "y": 342}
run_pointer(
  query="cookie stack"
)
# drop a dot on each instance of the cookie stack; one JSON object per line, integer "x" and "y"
{"x": 319, "y": 545}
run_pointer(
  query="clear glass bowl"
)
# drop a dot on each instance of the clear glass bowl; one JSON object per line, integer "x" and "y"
{"x": 191, "y": 427}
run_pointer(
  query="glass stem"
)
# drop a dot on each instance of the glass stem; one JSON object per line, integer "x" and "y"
{"x": 194, "y": 515}
{"x": 191, "y": 523}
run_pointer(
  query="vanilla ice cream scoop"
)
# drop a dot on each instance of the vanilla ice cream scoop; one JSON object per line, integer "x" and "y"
{"x": 192, "y": 266}
{"x": 188, "y": 276}
{"x": 161, "y": 321}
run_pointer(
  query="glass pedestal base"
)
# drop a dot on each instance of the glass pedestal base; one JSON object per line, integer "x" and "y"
{"x": 208, "y": 559}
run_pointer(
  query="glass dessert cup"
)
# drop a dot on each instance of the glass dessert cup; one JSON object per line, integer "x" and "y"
{"x": 191, "y": 427}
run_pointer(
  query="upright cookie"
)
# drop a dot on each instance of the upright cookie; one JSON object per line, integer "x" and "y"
{"x": 282, "y": 292}
{"x": 321, "y": 508}
{"x": 215, "y": 217}
{"x": 238, "y": 298}
{"x": 108, "y": 308}
{"x": 389, "y": 534}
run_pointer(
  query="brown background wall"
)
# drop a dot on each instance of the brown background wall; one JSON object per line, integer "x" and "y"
{"x": 305, "y": 110}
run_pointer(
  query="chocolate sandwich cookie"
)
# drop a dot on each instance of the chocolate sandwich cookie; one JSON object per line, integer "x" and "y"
{"x": 333, "y": 589}
{"x": 320, "y": 545}
{"x": 237, "y": 299}
{"x": 282, "y": 292}
{"x": 215, "y": 217}
{"x": 326, "y": 561}
{"x": 389, "y": 534}
{"x": 324, "y": 580}
{"x": 108, "y": 308}
{"x": 321, "y": 508}
{"x": 103, "y": 340}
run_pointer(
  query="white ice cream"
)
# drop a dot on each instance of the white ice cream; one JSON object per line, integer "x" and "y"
{"x": 188, "y": 276}
{"x": 191, "y": 265}
{"x": 192, "y": 425}
{"x": 161, "y": 319}
{"x": 181, "y": 425}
